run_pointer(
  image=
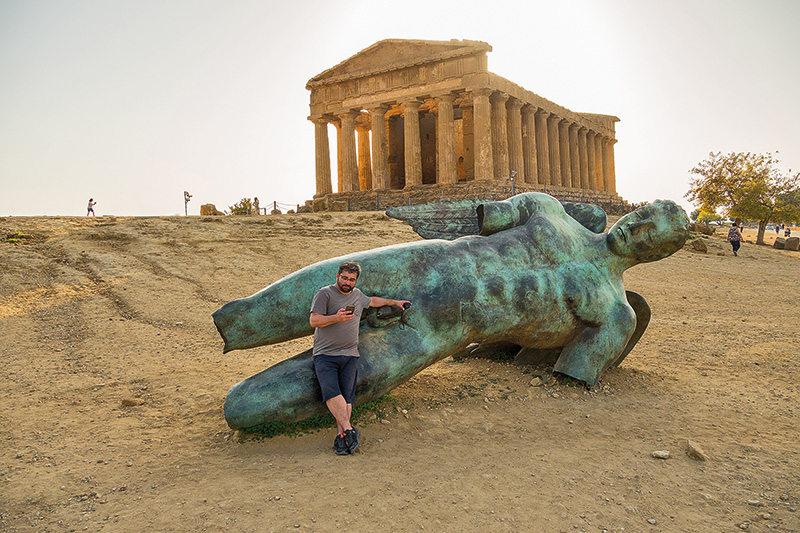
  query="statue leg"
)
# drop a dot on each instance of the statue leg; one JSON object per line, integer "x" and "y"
{"x": 642, "y": 310}
{"x": 592, "y": 352}
{"x": 289, "y": 391}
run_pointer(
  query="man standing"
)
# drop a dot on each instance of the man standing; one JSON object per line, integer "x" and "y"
{"x": 336, "y": 347}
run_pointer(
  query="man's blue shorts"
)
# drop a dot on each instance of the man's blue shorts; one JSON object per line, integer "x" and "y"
{"x": 337, "y": 374}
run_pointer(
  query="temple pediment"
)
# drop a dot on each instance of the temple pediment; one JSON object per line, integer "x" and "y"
{"x": 393, "y": 54}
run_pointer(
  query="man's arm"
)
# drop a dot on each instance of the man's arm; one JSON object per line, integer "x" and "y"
{"x": 318, "y": 320}
{"x": 377, "y": 301}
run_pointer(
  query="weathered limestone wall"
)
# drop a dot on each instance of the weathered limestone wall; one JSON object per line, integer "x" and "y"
{"x": 376, "y": 200}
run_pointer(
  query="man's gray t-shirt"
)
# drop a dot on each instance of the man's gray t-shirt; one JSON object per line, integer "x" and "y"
{"x": 339, "y": 338}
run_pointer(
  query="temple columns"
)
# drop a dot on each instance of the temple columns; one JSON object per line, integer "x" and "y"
{"x": 499, "y": 135}
{"x": 598, "y": 163}
{"x": 529, "y": 142}
{"x": 484, "y": 162}
{"x": 574, "y": 152}
{"x": 347, "y": 142}
{"x": 563, "y": 143}
{"x": 516, "y": 161}
{"x": 591, "y": 160}
{"x": 612, "y": 167}
{"x": 606, "y": 166}
{"x": 542, "y": 148}
{"x": 583, "y": 156}
{"x": 555, "y": 156}
{"x": 413, "y": 147}
{"x": 446, "y": 139}
{"x": 380, "y": 167}
{"x": 322, "y": 153}
{"x": 364, "y": 159}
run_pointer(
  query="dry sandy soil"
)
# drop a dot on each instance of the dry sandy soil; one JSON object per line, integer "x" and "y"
{"x": 114, "y": 381}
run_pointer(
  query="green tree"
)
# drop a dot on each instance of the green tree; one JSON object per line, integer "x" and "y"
{"x": 704, "y": 216}
{"x": 243, "y": 207}
{"x": 748, "y": 186}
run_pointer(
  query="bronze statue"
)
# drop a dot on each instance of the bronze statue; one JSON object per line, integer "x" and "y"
{"x": 535, "y": 277}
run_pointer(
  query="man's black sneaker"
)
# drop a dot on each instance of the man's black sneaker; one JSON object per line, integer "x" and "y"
{"x": 351, "y": 438}
{"x": 340, "y": 446}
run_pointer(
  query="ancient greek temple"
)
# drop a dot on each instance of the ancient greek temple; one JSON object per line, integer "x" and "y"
{"x": 427, "y": 116}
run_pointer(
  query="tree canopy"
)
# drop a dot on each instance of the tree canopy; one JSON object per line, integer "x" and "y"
{"x": 748, "y": 186}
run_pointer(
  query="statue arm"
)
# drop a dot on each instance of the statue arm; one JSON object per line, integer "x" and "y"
{"x": 497, "y": 216}
{"x": 597, "y": 346}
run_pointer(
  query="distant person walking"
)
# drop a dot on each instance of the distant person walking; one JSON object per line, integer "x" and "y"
{"x": 90, "y": 209}
{"x": 788, "y": 232}
{"x": 735, "y": 238}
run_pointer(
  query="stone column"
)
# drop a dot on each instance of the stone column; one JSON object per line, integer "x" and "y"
{"x": 591, "y": 159}
{"x": 574, "y": 156}
{"x": 484, "y": 162}
{"x": 364, "y": 159}
{"x": 612, "y": 166}
{"x": 380, "y": 167}
{"x": 499, "y": 136}
{"x": 563, "y": 143}
{"x": 542, "y": 148}
{"x": 555, "y": 153}
{"x": 339, "y": 181}
{"x": 529, "y": 143}
{"x": 598, "y": 161}
{"x": 322, "y": 152}
{"x": 584, "y": 157}
{"x": 413, "y": 147}
{"x": 446, "y": 139}
{"x": 349, "y": 157}
{"x": 606, "y": 166}
{"x": 516, "y": 161}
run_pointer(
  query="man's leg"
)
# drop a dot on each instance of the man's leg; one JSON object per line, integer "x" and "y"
{"x": 341, "y": 412}
{"x": 328, "y": 370}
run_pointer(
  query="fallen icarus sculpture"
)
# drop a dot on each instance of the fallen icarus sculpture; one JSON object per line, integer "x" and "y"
{"x": 537, "y": 276}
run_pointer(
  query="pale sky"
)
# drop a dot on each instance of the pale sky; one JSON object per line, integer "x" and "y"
{"x": 133, "y": 102}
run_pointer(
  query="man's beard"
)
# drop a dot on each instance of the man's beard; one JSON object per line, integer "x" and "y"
{"x": 344, "y": 288}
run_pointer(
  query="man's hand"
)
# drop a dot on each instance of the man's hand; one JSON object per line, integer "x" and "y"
{"x": 317, "y": 320}
{"x": 343, "y": 315}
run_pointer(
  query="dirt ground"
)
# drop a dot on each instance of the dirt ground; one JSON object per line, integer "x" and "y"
{"x": 114, "y": 381}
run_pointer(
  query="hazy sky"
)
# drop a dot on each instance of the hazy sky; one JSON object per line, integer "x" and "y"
{"x": 133, "y": 102}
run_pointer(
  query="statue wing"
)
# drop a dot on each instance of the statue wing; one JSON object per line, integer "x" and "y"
{"x": 457, "y": 218}
{"x": 440, "y": 220}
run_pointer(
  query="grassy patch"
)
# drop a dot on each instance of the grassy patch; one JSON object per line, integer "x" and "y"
{"x": 18, "y": 237}
{"x": 313, "y": 424}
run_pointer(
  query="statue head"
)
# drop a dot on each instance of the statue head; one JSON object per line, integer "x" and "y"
{"x": 652, "y": 232}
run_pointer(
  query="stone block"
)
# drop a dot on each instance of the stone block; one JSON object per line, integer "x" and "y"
{"x": 699, "y": 227}
{"x": 319, "y": 204}
{"x": 779, "y": 243}
{"x": 699, "y": 245}
{"x": 792, "y": 243}
{"x": 209, "y": 209}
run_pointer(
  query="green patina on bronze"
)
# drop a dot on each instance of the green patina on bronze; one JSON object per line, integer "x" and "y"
{"x": 535, "y": 277}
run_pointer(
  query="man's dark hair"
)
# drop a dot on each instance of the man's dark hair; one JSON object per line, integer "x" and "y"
{"x": 351, "y": 267}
